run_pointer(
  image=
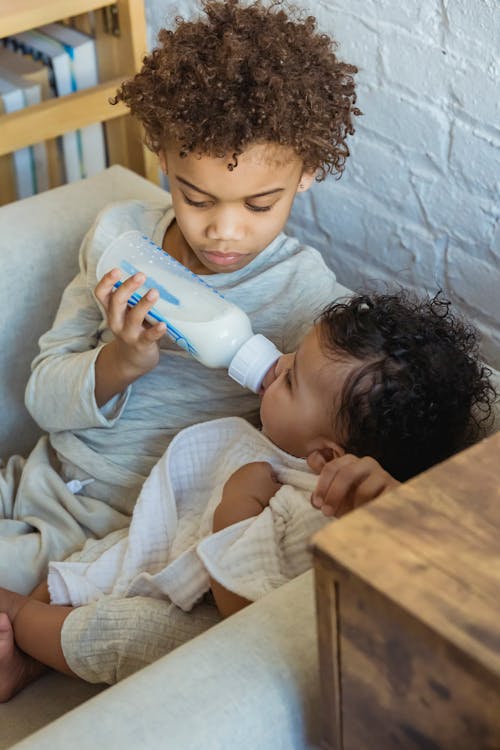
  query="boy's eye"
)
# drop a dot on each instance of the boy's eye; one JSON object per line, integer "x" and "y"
{"x": 197, "y": 204}
{"x": 257, "y": 209}
{"x": 207, "y": 204}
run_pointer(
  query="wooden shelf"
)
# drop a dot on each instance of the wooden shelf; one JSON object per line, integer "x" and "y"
{"x": 119, "y": 56}
{"x": 57, "y": 116}
{"x": 20, "y": 15}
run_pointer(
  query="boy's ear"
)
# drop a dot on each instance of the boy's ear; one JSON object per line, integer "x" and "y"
{"x": 162, "y": 158}
{"x": 305, "y": 182}
{"x": 324, "y": 451}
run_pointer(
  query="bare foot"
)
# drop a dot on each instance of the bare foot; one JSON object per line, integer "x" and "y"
{"x": 16, "y": 668}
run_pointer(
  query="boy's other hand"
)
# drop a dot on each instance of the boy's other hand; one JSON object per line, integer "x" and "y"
{"x": 347, "y": 482}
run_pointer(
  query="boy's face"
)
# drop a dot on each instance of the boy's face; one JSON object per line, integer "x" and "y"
{"x": 298, "y": 408}
{"x": 224, "y": 218}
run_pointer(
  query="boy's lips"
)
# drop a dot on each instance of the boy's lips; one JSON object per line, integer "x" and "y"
{"x": 223, "y": 259}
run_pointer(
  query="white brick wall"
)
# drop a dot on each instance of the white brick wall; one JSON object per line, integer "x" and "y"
{"x": 419, "y": 202}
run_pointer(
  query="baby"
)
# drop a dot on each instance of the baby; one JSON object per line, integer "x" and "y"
{"x": 381, "y": 388}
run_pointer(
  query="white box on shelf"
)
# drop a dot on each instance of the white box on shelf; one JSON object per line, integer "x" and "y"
{"x": 35, "y": 72}
{"x": 41, "y": 47}
{"x": 83, "y": 60}
{"x": 32, "y": 94}
{"x": 12, "y": 101}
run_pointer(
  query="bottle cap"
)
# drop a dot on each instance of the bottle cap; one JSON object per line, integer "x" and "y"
{"x": 251, "y": 362}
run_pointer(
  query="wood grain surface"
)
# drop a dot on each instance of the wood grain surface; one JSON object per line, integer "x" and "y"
{"x": 410, "y": 642}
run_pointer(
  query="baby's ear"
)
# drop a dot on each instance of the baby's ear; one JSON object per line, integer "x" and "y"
{"x": 325, "y": 452}
{"x": 305, "y": 182}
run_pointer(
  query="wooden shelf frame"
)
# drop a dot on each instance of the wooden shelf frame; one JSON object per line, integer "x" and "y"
{"x": 57, "y": 116}
{"x": 119, "y": 56}
{"x": 20, "y": 15}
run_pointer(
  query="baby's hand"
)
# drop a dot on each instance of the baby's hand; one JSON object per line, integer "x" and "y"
{"x": 347, "y": 482}
{"x": 138, "y": 342}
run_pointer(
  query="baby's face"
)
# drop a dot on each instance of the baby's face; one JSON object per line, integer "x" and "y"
{"x": 226, "y": 218}
{"x": 299, "y": 406}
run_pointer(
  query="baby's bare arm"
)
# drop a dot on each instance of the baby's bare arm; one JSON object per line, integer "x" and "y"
{"x": 246, "y": 493}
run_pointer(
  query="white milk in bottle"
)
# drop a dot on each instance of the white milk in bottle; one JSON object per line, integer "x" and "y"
{"x": 198, "y": 318}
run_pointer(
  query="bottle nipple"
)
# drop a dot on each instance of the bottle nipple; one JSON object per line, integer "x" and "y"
{"x": 252, "y": 361}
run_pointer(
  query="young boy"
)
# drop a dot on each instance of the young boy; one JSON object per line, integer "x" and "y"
{"x": 379, "y": 375}
{"x": 244, "y": 107}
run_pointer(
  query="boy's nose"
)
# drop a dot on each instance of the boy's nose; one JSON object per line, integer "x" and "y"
{"x": 225, "y": 225}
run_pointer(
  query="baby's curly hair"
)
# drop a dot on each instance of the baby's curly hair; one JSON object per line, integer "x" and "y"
{"x": 423, "y": 393}
{"x": 246, "y": 74}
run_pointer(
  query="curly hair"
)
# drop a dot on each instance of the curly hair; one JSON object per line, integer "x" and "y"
{"x": 245, "y": 75}
{"x": 421, "y": 393}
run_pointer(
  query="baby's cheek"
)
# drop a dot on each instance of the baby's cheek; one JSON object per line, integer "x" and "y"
{"x": 266, "y": 414}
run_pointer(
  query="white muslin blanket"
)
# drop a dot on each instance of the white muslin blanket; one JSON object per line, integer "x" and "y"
{"x": 169, "y": 548}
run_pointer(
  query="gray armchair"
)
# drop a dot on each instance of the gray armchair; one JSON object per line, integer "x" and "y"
{"x": 250, "y": 682}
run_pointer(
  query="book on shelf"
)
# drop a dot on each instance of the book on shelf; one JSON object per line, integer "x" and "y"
{"x": 33, "y": 71}
{"x": 13, "y": 99}
{"x": 84, "y": 73}
{"x": 51, "y": 53}
{"x": 8, "y": 187}
{"x": 32, "y": 77}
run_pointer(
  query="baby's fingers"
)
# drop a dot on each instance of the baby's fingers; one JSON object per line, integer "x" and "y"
{"x": 338, "y": 485}
{"x": 375, "y": 484}
{"x": 353, "y": 482}
{"x": 368, "y": 489}
{"x": 334, "y": 483}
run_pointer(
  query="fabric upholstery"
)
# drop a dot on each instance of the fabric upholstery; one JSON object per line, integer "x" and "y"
{"x": 249, "y": 682}
{"x": 39, "y": 241}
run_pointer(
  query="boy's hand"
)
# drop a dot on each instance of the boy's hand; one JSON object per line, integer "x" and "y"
{"x": 137, "y": 342}
{"x": 347, "y": 482}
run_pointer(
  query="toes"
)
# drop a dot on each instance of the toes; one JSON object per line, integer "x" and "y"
{"x": 6, "y": 638}
{"x": 5, "y": 626}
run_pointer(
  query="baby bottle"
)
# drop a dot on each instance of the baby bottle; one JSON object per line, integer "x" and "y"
{"x": 198, "y": 318}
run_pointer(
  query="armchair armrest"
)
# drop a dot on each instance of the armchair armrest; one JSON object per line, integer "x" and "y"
{"x": 39, "y": 241}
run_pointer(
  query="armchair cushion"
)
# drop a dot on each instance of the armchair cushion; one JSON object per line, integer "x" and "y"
{"x": 249, "y": 682}
{"x": 39, "y": 241}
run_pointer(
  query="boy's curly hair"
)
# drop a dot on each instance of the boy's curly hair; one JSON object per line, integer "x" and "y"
{"x": 423, "y": 393}
{"x": 246, "y": 74}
